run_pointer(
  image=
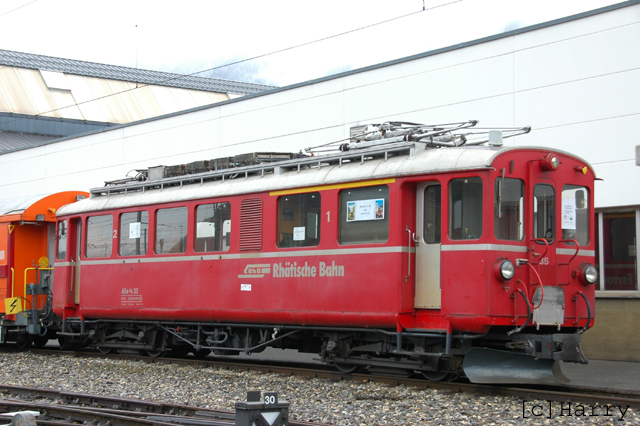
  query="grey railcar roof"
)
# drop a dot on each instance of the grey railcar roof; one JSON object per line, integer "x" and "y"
{"x": 427, "y": 161}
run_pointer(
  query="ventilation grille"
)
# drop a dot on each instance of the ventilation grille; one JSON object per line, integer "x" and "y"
{"x": 251, "y": 224}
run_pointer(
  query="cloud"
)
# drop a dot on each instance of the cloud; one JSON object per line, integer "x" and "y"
{"x": 248, "y": 72}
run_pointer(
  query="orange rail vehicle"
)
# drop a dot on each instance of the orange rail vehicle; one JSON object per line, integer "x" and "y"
{"x": 27, "y": 242}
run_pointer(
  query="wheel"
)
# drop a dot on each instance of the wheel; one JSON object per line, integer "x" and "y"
{"x": 347, "y": 368}
{"x": 40, "y": 341}
{"x": 68, "y": 343}
{"x": 438, "y": 376}
{"x": 179, "y": 351}
{"x": 156, "y": 353}
{"x": 201, "y": 354}
{"x": 443, "y": 373}
{"x": 106, "y": 350}
{"x": 24, "y": 341}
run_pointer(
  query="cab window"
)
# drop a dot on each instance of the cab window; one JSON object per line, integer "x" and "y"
{"x": 99, "y": 236}
{"x": 575, "y": 214}
{"x": 508, "y": 207}
{"x": 544, "y": 215}
{"x": 299, "y": 220}
{"x": 61, "y": 236}
{"x": 364, "y": 215}
{"x": 465, "y": 208}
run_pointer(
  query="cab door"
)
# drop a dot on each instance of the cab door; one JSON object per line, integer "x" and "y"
{"x": 428, "y": 242}
{"x": 548, "y": 308}
{"x": 545, "y": 234}
{"x": 76, "y": 245}
{"x": 69, "y": 236}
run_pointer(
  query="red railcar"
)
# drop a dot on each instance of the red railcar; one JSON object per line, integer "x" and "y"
{"x": 398, "y": 256}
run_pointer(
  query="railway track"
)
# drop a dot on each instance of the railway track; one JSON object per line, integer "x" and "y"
{"x": 70, "y": 408}
{"x": 561, "y": 394}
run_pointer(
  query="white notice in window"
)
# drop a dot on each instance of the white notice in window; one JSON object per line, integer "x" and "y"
{"x": 298, "y": 233}
{"x": 134, "y": 230}
{"x": 568, "y": 213}
{"x": 365, "y": 210}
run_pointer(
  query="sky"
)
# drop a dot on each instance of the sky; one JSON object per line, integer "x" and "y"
{"x": 195, "y": 35}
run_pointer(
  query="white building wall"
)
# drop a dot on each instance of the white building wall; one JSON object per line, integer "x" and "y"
{"x": 577, "y": 83}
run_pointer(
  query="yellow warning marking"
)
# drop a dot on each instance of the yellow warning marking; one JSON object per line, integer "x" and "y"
{"x": 11, "y": 228}
{"x": 12, "y": 305}
{"x": 336, "y": 186}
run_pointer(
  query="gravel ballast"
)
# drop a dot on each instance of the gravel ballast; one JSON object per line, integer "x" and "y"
{"x": 311, "y": 399}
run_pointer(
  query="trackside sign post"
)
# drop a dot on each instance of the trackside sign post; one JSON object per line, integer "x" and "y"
{"x": 267, "y": 410}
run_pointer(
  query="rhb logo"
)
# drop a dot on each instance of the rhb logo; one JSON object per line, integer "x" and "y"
{"x": 255, "y": 271}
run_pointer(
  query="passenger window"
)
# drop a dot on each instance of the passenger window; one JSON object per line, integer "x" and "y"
{"x": 544, "y": 215}
{"x": 575, "y": 214}
{"x": 299, "y": 220}
{"x": 213, "y": 227}
{"x": 61, "y": 236}
{"x": 465, "y": 208}
{"x": 99, "y": 236}
{"x": 134, "y": 233}
{"x": 364, "y": 215}
{"x": 171, "y": 230}
{"x": 508, "y": 205}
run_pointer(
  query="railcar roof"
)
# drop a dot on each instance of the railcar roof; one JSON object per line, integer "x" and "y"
{"x": 423, "y": 161}
{"x": 19, "y": 205}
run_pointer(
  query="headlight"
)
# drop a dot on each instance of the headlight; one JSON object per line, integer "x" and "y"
{"x": 588, "y": 274}
{"x": 550, "y": 162}
{"x": 504, "y": 269}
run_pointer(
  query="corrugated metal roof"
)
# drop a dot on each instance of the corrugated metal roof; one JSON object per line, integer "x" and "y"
{"x": 10, "y": 141}
{"x": 92, "y": 69}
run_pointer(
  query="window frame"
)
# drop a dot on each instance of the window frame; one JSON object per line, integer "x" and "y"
{"x": 121, "y": 233}
{"x": 451, "y": 210}
{"x": 601, "y": 291}
{"x": 345, "y": 209}
{"x": 497, "y": 207}
{"x": 89, "y": 254}
{"x": 184, "y": 234}
{"x": 224, "y": 247}
{"x": 298, "y": 217}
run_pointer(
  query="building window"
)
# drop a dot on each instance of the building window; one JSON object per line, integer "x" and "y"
{"x": 465, "y": 208}
{"x": 61, "y": 236}
{"x": 213, "y": 227}
{"x": 619, "y": 251}
{"x": 99, "y": 236}
{"x": 134, "y": 233}
{"x": 171, "y": 230}
{"x": 299, "y": 220}
{"x": 364, "y": 215}
{"x": 508, "y": 207}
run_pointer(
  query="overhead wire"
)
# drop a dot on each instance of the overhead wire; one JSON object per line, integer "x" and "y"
{"x": 181, "y": 76}
{"x": 19, "y": 7}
